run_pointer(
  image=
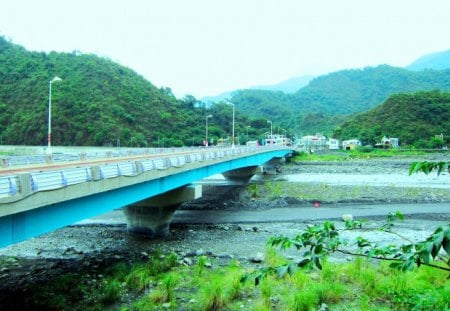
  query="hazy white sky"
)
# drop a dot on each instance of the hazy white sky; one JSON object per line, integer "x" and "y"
{"x": 205, "y": 47}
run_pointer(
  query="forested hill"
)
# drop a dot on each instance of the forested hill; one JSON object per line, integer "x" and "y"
{"x": 97, "y": 102}
{"x": 337, "y": 94}
{"x": 413, "y": 118}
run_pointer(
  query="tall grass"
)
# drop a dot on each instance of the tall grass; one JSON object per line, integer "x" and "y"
{"x": 357, "y": 285}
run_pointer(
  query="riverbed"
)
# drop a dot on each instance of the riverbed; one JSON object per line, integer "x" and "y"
{"x": 237, "y": 224}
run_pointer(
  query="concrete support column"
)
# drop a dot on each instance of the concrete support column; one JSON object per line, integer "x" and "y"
{"x": 152, "y": 216}
{"x": 241, "y": 175}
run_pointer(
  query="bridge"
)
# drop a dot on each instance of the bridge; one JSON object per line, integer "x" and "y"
{"x": 39, "y": 194}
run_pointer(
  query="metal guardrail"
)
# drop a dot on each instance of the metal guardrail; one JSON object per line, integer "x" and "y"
{"x": 50, "y": 180}
{"x": 8, "y": 186}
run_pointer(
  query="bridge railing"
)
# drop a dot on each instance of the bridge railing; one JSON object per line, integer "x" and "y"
{"x": 8, "y": 186}
{"x": 50, "y": 180}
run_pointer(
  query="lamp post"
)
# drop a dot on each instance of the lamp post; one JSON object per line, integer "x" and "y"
{"x": 232, "y": 134}
{"x": 271, "y": 131}
{"x": 49, "y": 134}
{"x": 248, "y": 126}
{"x": 206, "y": 137}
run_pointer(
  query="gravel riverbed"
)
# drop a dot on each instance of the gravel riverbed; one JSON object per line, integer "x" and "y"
{"x": 100, "y": 242}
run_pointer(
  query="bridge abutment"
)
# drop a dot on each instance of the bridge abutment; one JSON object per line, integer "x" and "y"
{"x": 152, "y": 216}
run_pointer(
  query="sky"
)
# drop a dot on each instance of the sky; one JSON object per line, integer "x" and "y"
{"x": 207, "y": 47}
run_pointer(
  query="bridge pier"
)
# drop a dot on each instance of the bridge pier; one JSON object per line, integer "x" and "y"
{"x": 152, "y": 216}
{"x": 273, "y": 166}
{"x": 241, "y": 175}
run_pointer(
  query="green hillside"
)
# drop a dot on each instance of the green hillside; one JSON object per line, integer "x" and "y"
{"x": 98, "y": 102}
{"x": 334, "y": 96}
{"x": 413, "y": 118}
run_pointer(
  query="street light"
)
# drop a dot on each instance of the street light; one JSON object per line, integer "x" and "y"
{"x": 271, "y": 131}
{"x": 206, "y": 140}
{"x": 49, "y": 136}
{"x": 248, "y": 126}
{"x": 232, "y": 135}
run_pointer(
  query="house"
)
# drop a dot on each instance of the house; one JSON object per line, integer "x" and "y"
{"x": 313, "y": 142}
{"x": 351, "y": 144}
{"x": 387, "y": 143}
{"x": 277, "y": 139}
{"x": 333, "y": 144}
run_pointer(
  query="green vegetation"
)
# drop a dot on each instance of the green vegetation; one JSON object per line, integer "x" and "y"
{"x": 101, "y": 103}
{"x": 359, "y": 153}
{"x": 414, "y": 118}
{"x": 358, "y": 285}
{"x": 331, "y": 99}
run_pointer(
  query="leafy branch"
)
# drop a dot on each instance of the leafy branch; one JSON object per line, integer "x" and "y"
{"x": 319, "y": 241}
{"x": 428, "y": 167}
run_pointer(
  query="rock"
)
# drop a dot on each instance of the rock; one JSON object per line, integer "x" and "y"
{"x": 199, "y": 252}
{"x": 258, "y": 258}
{"x": 347, "y": 217}
{"x": 324, "y": 307}
{"x": 225, "y": 256}
{"x": 187, "y": 261}
{"x": 255, "y": 229}
{"x": 166, "y": 305}
{"x": 144, "y": 255}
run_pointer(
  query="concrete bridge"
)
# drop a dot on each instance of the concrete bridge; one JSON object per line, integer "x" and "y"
{"x": 39, "y": 198}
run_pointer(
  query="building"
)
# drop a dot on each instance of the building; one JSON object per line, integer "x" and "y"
{"x": 351, "y": 144}
{"x": 387, "y": 143}
{"x": 333, "y": 144}
{"x": 313, "y": 142}
{"x": 277, "y": 139}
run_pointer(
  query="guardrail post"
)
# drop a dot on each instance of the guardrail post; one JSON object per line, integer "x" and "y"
{"x": 25, "y": 184}
{"x": 139, "y": 167}
{"x": 48, "y": 158}
{"x": 5, "y": 162}
{"x": 95, "y": 173}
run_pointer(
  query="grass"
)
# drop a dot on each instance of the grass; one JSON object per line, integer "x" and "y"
{"x": 357, "y": 285}
{"x": 273, "y": 190}
{"x": 361, "y": 153}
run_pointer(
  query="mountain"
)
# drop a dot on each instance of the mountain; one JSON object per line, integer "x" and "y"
{"x": 97, "y": 103}
{"x": 413, "y": 118}
{"x": 287, "y": 86}
{"x": 332, "y": 97}
{"x": 291, "y": 85}
{"x": 438, "y": 61}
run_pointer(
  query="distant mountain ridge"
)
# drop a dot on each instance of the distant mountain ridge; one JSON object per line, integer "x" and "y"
{"x": 437, "y": 61}
{"x": 337, "y": 94}
{"x": 291, "y": 85}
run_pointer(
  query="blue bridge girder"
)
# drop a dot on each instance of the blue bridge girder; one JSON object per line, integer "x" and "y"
{"x": 33, "y": 203}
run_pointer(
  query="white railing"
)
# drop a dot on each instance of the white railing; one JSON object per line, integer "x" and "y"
{"x": 50, "y": 180}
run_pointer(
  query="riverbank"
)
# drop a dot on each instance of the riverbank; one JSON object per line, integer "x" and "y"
{"x": 225, "y": 230}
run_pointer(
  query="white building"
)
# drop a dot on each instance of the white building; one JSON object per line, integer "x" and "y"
{"x": 277, "y": 139}
{"x": 313, "y": 142}
{"x": 333, "y": 144}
